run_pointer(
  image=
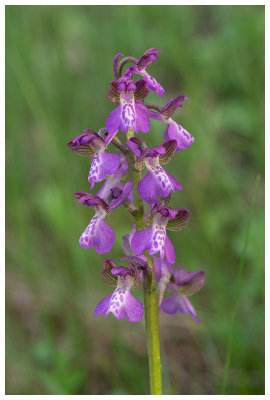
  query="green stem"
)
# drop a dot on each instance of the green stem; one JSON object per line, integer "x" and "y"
{"x": 238, "y": 291}
{"x": 150, "y": 297}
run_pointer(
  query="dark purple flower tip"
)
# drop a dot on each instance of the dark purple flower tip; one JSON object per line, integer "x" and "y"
{"x": 173, "y": 104}
{"x": 83, "y": 144}
{"x": 188, "y": 283}
{"x": 121, "y": 271}
{"x": 91, "y": 200}
{"x": 115, "y": 63}
{"x": 149, "y": 56}
{"x": 140, "y": 261}
{"x": 120, "y": 196}
{"x": 135, "y": 277}
{"x": 154, "y": 152}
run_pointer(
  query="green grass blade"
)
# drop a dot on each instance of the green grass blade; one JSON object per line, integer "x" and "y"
{"x": 238, "y": 290}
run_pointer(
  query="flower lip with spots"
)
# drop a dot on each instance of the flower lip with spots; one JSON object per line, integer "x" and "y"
{"x": 121, "y": 303}
{"x": 155, "y": 239}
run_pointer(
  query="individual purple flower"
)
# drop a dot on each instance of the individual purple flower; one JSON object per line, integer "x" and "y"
{"x": 155, "y": 239}
{"x": 98, "y": 233}
{"x": 182, "y": 285}
{"x": 174, "y": 131}
{"x": 149, "y": 56}
{"x": 114, "y": 181}
{"x": 120, "y": 303}
{"x": 130, "y": 113}
{"x": 157, "y": 182}
{"x": 92, "y": 145}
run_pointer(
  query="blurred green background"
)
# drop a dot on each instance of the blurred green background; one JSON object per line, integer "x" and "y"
{"x": 58, "y": 69}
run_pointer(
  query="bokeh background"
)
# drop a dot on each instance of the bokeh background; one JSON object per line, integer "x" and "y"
{"x": 58, "y": 69}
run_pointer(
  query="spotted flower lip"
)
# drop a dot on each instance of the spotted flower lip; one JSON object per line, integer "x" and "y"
{"x": 155, "y": 239}
{"x": 130, "y": 113}
{"x": 97, "y": 233}
{"x": 182, "y": 285}
{"x": 157, "y": 182}
{"x": 120, "y": 303}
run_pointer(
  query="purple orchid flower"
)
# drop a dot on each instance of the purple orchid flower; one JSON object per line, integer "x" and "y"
{"x": 157, "y": 182}
{"x": 114, "y": 181}
{"x": 92, "y": 145}
{"x": 98, "y": 233}
{"x": 174, "y": 131}
{"x": 120, "y": 303}
{"x": 155, "y": 239}
{"x": 130, "y": 113}
{"x": 149, "y": 56}
{"x": 182, "y": 284}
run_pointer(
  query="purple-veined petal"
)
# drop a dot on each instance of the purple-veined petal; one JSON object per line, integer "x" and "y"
{"x": 175, "y": 183}
{"x": 152, "y": 83}
{"x": 169, "y": 251}
{"x": 103, "y": 306}
{"x": 98, "y": 234}
{"x": 121, "y": 304}
{"x": 113, "y": 122}
{"x": 147, "y": 188}
{"x": 141, "y": 241}
{"x": 104, "y": 238}
{"x": 142, "y": 120}
{"x": 178, "y": 133}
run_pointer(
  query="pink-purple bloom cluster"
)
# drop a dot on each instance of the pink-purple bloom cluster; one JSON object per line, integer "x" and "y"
{"x": 123, "y": 126}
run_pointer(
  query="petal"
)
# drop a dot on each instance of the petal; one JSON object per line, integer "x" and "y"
{"x": 142, "y": 120}
{"x": 162, "y": 267}
{"x": 178, "y": 133}
{"x": 152, "y": 83}
{"x": 169, "y": 251}
{"x": 104, "y": 238}
{"x": 147, "y": 189}
{"x": 103, "y": 306}
{"x": 178, "y": 303}
{"x": 175, "y": 183}
{"x": 109, "y": 163}
{"x": 141, "y": 241}
{"x": 189, "y": 282}
{"x": 123, "y": 304}
{"x": 134, "y": 308}
{"x": 126, "y": 245}
{"x": 87, "y": 237}
{"x": 113, "y": 121}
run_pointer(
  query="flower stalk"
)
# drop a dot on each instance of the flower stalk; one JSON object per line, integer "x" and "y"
{"x": 150, "y": 296}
